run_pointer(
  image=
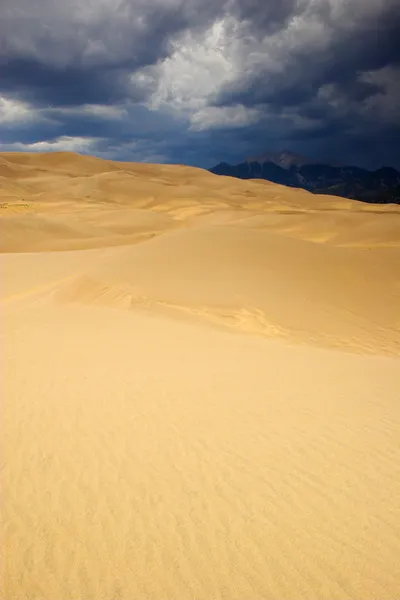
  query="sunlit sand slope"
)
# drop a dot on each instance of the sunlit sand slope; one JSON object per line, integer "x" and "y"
{"x": 201, "y": 383}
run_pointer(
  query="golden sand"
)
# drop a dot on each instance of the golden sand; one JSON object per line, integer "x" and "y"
{"x": 201, "y": 386}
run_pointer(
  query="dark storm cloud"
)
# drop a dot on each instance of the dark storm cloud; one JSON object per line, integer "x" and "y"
{"x": 265, "y": 17}
{"x": 29, "y": 133}
{"x": 332, "y": 143}
{"x": 60, "y": 55}
{"x": 138, "y": 123}
{"x": 359, "y": 44}
{"x": 366, "y": 46}
{"x": 73, "y": 85}
{"x": 57, "y": 53}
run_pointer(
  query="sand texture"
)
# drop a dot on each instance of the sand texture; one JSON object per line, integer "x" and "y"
{"x": 200, "y": 387}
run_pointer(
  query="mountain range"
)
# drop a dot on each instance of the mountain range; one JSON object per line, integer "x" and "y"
{"x": 381, "y": 186}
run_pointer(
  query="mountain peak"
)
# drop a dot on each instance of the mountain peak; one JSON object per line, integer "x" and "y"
{"x": 284, "y": 159}
{"x": 288, "y": 168}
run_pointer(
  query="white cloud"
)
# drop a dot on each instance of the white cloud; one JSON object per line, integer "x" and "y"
{"x": 185, "y": 82}
{"x": 198, "y": 65}
{"x": 102, "y": 111}
{"x": 212, "y": 117}
{"x": 225, "y": 54}
{"x": 14, "y": 111}
{"x": 105, "y": 111}
{"x": 61, "y": 144}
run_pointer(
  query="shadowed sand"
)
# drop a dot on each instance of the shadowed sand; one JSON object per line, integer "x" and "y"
{"x": 149, "y": 453}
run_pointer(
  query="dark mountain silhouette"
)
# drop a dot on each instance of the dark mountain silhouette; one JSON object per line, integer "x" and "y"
{"x": 380, "y": 186}
{"x": 284, "y": 159}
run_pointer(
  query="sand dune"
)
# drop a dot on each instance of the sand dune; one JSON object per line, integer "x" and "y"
{"x": 61, "y": 232}
{"x": 149, "y": 453}
{"x": 249, "y": 279}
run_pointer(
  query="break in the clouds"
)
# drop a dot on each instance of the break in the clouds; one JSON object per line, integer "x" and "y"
{"x": 201, "y": 81}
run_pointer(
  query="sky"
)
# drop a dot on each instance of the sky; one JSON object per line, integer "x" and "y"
{"x": 199, "y": 82}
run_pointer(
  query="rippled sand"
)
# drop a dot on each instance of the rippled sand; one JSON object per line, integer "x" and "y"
{"x": 201, "y": 387}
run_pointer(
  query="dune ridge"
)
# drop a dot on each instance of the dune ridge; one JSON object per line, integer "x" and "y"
{"x": 149, "y": 453}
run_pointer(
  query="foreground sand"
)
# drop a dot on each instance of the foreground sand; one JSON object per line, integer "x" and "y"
{"x": 150, "y": 453}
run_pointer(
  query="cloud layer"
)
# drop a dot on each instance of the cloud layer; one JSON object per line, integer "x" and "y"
{"x": 200, "y": 81}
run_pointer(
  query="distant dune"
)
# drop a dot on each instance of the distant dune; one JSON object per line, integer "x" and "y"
{"x": 150, "y": 453}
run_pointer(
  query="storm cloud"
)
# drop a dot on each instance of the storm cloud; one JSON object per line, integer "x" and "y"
{"x": 201, "y": 81}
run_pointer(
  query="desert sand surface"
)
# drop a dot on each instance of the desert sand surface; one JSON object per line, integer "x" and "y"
{"x": 201, "y": 386}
